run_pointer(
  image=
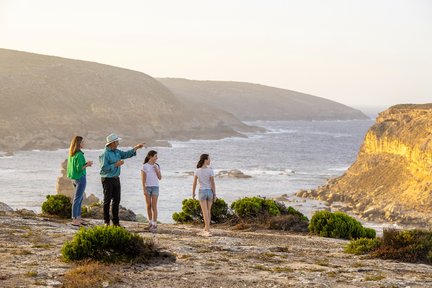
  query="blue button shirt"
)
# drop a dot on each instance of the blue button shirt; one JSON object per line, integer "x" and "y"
{"x": 109, "y": 157}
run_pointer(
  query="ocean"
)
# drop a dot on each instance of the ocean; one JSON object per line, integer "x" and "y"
{"x": 288, "y": 157}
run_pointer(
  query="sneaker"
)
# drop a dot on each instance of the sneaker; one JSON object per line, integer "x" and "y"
{"x": 153, "y": 229}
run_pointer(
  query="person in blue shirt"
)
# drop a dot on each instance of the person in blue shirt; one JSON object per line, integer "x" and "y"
{"x": 111, "y": 161}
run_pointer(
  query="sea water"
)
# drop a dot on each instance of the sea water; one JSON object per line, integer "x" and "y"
{"x": 288, "y": 157}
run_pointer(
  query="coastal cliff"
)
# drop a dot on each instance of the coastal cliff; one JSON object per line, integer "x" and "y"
{"x": 391, "y": 179}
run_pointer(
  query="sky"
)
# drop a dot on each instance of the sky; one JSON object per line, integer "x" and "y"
{"x": 359, "y": 53}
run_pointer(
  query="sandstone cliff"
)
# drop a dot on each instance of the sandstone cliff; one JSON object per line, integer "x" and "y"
{"x": 45, "y": 100}
{"x": 249, "y": 101}
{"x": 391, "y": 179}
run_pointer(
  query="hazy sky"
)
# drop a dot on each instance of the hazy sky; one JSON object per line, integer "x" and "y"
{"x": 354, "y": 52}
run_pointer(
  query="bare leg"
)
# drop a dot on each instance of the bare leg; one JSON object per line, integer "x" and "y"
{"x": 204, "y": 208}
{"x": 149, "y": 206}
{"x": 209, "y": 205}
{"x": 154, "y": 199}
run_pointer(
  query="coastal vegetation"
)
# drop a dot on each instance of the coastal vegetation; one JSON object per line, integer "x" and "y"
{"x": 59, "y": 205}
{"x": 109, "y": 244}
{"x": 403, "y": 245}
{"x": 244, "y": 212}
{"x": 191, "y": 212}
{"x": 338, "y": 225}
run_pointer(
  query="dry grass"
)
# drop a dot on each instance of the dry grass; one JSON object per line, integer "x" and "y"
{"x": 90, "y": 274}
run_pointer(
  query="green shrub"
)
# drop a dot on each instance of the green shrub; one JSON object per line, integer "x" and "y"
{"x": 108, "y": 244}
{"x": 59, "y": 205}
{"x": 182, "y": 217}
{"x": 406, "y": 245}
{"x": 191, "y": 212}
{"x": 251, "y": 208}
{"x": 337, "y": 225}
{"x": 284, "y": 210}
{"x": 362, "y": 246}
{"x": 370, "y": 233}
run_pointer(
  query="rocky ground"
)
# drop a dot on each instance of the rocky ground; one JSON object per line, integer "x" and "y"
{"x": 30, "y": 257}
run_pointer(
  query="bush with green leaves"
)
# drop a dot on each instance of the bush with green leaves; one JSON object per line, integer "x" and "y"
{"x": 288, "y": 210}
{"x": 252, "y": 208}
{"x": 108, "y": 244}
{"x": 406, "y": 245}
{"x": 362, "y": 246}
{"x": 191, "y": 212}
{"x": 59, "y": 205}
{"x": 337, "y": 225}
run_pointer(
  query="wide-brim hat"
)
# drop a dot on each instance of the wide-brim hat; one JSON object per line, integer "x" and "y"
{"x": 112, "y": 138}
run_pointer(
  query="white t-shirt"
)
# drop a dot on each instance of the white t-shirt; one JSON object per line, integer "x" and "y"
{"x": 151, "y": 176}
{"x": 204, "y": 175}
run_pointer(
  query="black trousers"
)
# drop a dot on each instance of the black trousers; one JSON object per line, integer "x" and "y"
{"x": 111, "y": 190}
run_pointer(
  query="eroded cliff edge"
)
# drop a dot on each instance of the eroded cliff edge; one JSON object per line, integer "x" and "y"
{"x": 391, "y": 179}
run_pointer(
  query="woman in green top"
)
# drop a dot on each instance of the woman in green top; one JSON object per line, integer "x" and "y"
{"x": 76, "y": 170}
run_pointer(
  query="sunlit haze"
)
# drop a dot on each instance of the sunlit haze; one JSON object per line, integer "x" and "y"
{"x": 360, "y": 53}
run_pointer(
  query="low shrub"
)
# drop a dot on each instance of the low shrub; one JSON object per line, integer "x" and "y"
{"x": 191, "y": 212}
{"x": 289, "y": 222}
{"x": 288, "y": 210}
{"x": 370, "y": 233}
{"x": 59, "y": 205}
{"x": 362, "y": 245}
{"x": 108, "y": 244}
{"x": 337, "y": 225}
{"x": 406, "y": 245}
{"x": 251, "y": 208}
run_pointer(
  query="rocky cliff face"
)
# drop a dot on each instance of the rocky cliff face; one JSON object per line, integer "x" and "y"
{"x": 45, "y": 100}
{"x": 391, "y": 179}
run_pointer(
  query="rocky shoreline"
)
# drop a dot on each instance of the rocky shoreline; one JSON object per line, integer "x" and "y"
{"x": 30, "y": 251}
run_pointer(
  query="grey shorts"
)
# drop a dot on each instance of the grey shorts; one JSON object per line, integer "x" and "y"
{"x": 152, "y": 190}
{"x": 205, "y": 194}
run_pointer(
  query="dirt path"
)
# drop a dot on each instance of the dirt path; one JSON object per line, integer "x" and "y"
{"x": 30, "y": 257}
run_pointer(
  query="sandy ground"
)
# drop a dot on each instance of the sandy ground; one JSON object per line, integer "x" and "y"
{"x": 30, "y": 257}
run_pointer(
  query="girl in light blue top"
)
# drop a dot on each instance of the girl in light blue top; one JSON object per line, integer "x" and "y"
{"x": 207, "y": 192}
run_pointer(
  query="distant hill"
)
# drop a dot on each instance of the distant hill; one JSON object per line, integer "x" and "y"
{"x": 45, "y": 100}
{"x": 249, "y": 101}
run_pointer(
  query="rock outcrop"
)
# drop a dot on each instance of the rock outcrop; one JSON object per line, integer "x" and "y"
{"x": 64, "y": 185}
{"x": 391, "y": 179}
{"x": 250, "y": 102}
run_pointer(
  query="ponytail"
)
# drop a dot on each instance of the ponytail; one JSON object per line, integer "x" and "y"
{"x": 203, "y": 157}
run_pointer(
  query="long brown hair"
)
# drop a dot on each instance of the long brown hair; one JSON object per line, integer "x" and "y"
{"x": 75, "y": 145}
{"x": 203, "y": 157}
{"x": 150, "y": 154}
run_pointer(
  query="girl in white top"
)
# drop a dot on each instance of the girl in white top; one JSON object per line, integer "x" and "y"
{"x": 207, "y": 192}
{"x": 150, "y": 176}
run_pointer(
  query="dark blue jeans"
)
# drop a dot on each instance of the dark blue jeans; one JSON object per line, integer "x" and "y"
{"x": 80, "y": 185}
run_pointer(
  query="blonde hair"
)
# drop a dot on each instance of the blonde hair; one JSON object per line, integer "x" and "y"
{"x": 75, "y": 145}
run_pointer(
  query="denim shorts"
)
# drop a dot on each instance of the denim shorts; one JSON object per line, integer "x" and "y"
{"x": 205, "y": 194}
{"x": 152, "y": 190}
